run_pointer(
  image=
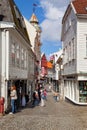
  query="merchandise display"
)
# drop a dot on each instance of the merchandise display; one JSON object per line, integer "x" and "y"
{"x": 83, "y": 91}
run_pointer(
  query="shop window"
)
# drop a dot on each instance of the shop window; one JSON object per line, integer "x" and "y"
{"x": 83, "y": 91}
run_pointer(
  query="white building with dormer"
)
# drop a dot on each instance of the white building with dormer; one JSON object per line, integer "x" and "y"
{"x": 74, "y": 38}
{"x": 16, "y": 55}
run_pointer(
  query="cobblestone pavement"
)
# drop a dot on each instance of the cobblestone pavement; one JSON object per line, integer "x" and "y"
{"x": 60, "y": 115}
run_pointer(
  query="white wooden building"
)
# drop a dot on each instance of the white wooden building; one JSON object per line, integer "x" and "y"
{"x": 54, "y": 72}
{"x": 16, "y": 56}
{"x": 74, "y": 38}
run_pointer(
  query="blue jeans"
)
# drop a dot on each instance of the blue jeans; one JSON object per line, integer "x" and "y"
{"x": 55, "y": 97}
{"x": 45, "y": 98}
{"x": 36, "y": 103}
{"x": 13, "y": 105}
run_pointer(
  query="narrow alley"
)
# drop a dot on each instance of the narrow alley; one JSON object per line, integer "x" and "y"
{"x": 60, "y": 115}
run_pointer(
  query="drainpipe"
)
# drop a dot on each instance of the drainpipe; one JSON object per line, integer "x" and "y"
{"x": 5, "y": 65}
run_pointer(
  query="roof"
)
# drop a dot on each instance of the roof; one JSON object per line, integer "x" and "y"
{"x": 80, "y": 6}
{"x": 11, "y": 13}
{"x": 49, "y": 65}
{"x": 33, "y": 19}
{"x": 35, "y": 23}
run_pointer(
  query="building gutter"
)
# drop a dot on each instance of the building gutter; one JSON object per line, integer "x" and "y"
{"x": 82, "y": 16}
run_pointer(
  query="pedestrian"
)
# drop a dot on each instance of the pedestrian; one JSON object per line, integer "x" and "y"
{"x": 23, "y": 102}
{"x": 35, "y": 98}
{"x": 27, "y": 98}
{"x": 39, "y": 93}
{"x": 55, "y": 95}
{"x": 45, "y": 94}
{"x": 50, "y": 87}
{"x": 42, "y": 99}
{"x": 13, "y": 95}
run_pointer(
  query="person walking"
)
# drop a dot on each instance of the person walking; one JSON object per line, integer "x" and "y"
{"x": 50, "y": 87}
{"x": 45, "y": 94}
{"x": 13, "y": 96}
{"x": 35, "y": 98}
{"x": 55, "y": 95}
{"x": 23, "y": 102}
{"x": 39, "y": 93}
{"x": 42, "y": 99}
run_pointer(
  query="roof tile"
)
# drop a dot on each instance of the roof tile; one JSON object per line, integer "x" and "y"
{"x": 80, "y": 6}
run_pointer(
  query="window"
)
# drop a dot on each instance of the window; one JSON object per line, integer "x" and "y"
{"x": 25, "y": 60}
{"x": 67, "y": 24}
{"x": 73, "y": 48}
{"x": 22, "y": 58}
{"x": 86, "y": 46}
{"x": 69, "y": 51}
{"x": 18, "y": 55}
{"x": 83, "y": 91}
{"x": 13, "y": 53}
{"x": 66, "y": 55}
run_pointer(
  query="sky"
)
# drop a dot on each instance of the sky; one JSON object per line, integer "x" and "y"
{"x": 49, "y": 14}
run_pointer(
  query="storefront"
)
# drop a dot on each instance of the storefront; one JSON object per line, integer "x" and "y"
{"x": 76, "y": 91}
{"x": 83, "y": 91}
{"x": 21, "y": 87}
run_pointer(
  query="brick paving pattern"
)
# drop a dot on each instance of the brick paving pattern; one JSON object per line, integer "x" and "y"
{"x": 60, "y": 115}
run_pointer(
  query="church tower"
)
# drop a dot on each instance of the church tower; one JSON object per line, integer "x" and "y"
{"x": 37, "y": 44}
{"x": 34, "y": 22}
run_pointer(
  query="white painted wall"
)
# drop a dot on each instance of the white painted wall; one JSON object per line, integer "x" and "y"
{"x": 69, "y": 64}
{"x": 15, "y": 72}
{"x": 77, "y": 65}
{"x": 56, "y": 56}
{"x": 7, "y": 70}
{"x": 81, "y": 46}
{"x": 31, "y": 32}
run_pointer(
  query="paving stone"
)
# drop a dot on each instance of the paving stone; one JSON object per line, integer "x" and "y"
{"x": 60, "y": 115}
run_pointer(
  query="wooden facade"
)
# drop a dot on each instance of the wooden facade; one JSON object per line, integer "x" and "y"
{"x": 16, "y": 56}
{"x": 74, "y": 37}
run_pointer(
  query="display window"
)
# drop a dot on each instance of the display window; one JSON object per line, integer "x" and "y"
{"x": 83, "y": 91}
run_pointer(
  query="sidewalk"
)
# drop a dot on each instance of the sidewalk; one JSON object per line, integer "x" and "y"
{"x": 54, "y": 116}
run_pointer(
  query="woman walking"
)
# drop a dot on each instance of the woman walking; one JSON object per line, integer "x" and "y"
{"x": 13, "y": 96}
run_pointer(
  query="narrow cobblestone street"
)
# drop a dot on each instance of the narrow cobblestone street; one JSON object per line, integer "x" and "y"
{"x": 60, "y": 115}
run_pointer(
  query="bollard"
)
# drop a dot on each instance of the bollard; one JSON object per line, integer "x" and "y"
{"x": 2, "y": 106}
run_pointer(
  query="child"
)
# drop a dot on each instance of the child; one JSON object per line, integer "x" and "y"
{"x": 45, "y": 94}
